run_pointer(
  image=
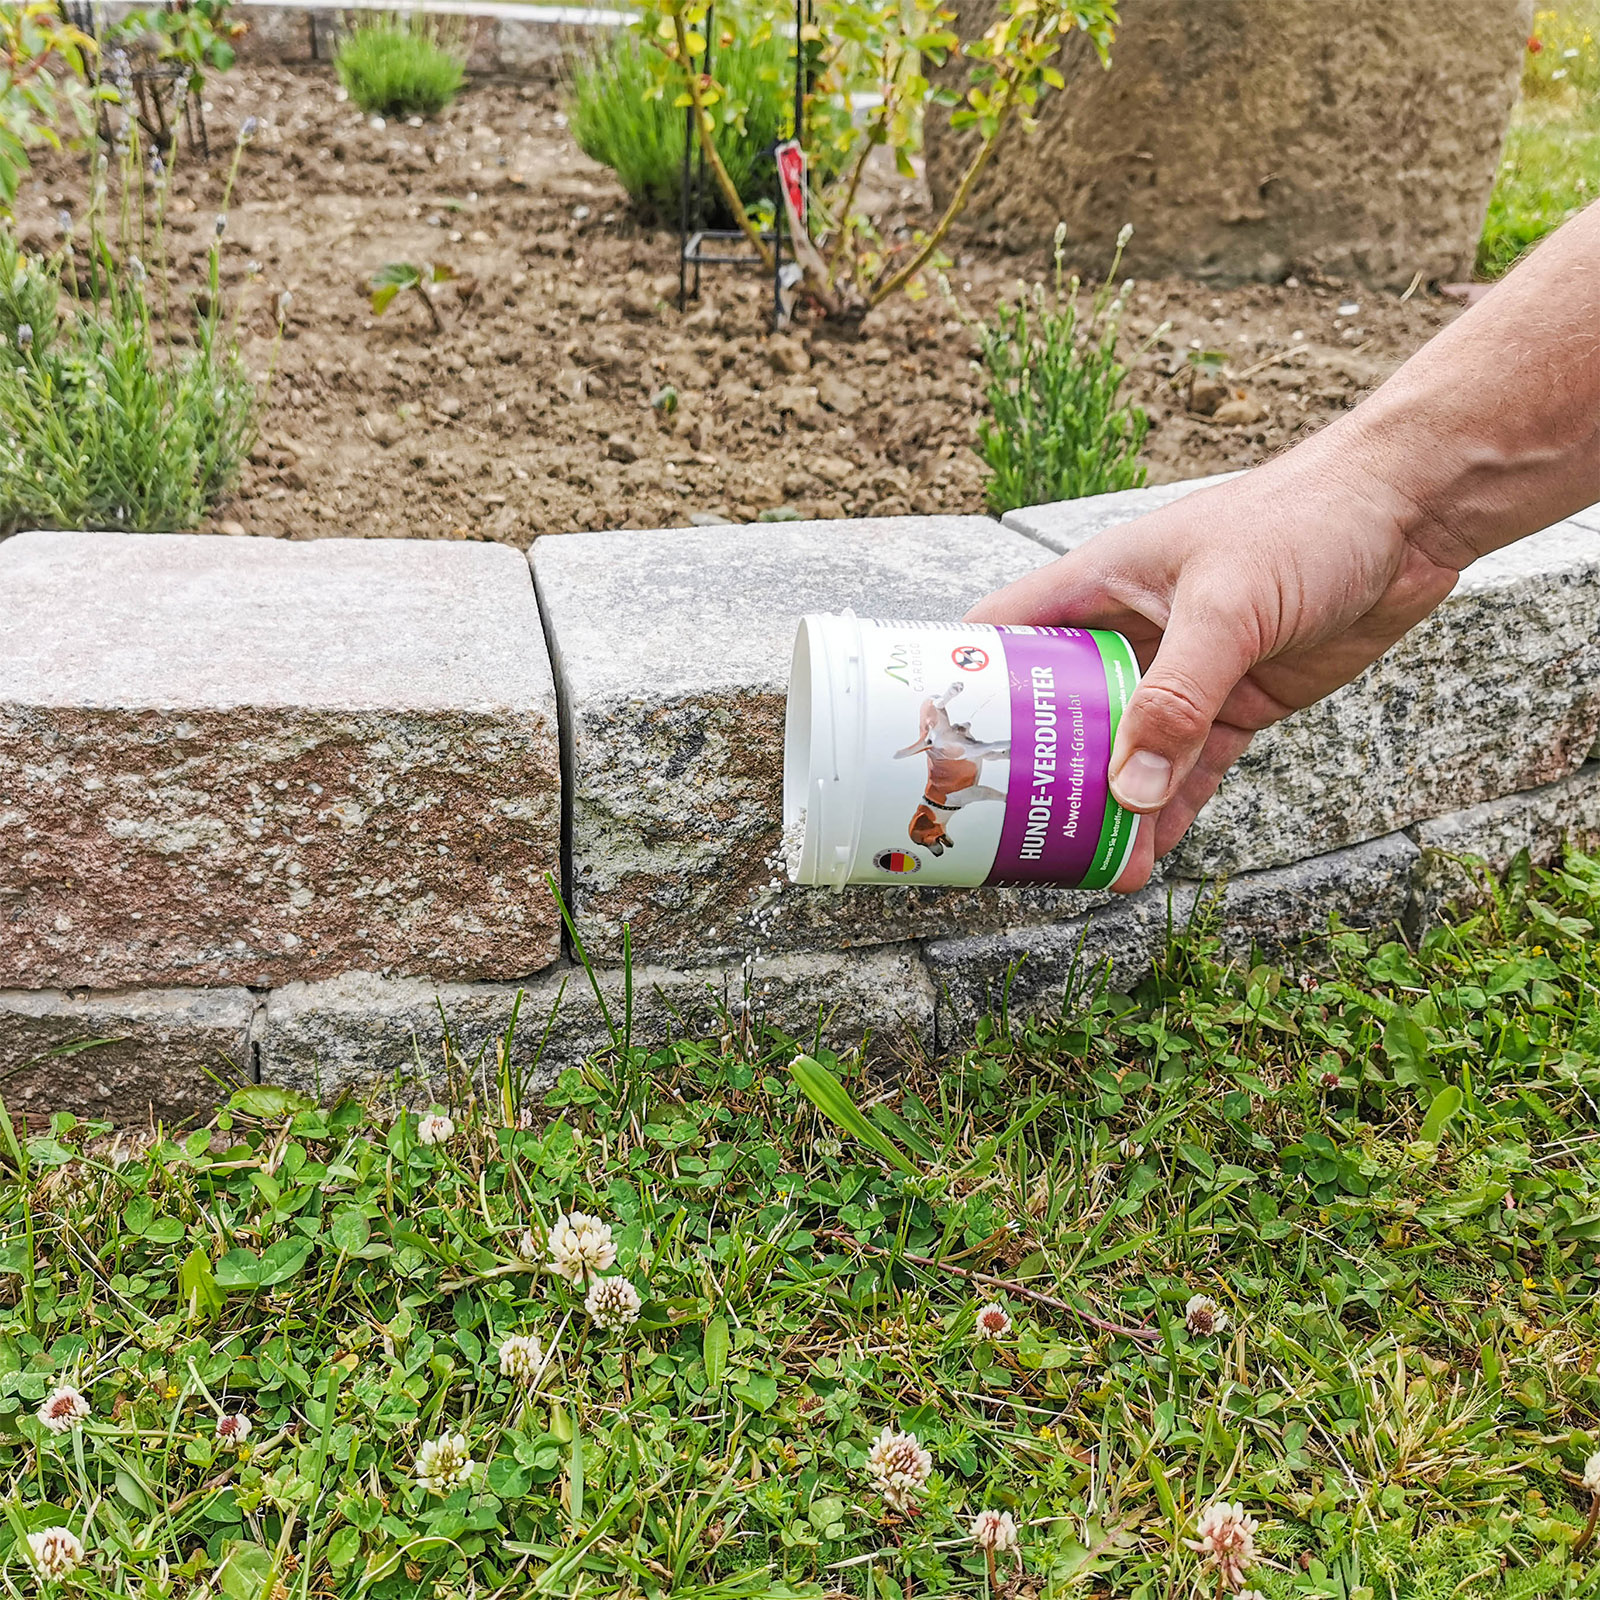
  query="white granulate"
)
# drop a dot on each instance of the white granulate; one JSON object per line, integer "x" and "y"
{"x": 794, "y": 843}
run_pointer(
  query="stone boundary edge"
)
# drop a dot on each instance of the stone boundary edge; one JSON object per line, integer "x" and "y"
{"x": 174, "y": 1053}
{"x": 504, "y": 36}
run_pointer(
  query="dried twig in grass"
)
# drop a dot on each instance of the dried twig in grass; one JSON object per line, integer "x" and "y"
{"x": 1116, "y": 1329}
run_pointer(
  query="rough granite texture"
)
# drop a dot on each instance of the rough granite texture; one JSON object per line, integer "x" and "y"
{"x": 1065, "y": 524}
{"x": 1541, "y": 821}
{"x": 1498, "y": 691}
{"x": 672, "y": 649}
{"x": 360, "y": 1030}
{"x": 249, "y": 761}
{"x": 1027, "y": 971}
{"x": 1252, "y": 138}
{"x": 171, "y": 1055}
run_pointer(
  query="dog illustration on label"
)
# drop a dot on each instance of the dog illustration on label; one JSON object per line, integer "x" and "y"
{"x": 955, "y": 763}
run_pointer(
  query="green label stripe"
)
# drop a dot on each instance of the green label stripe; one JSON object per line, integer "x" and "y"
{"x": 1122, "y": 676}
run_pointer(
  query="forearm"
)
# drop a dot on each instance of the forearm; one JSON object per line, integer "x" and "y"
{"x": 1492, "y": 431}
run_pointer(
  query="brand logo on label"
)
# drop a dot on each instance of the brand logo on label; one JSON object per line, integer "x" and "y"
{"x": 970, "y": 658}
{"x": 897, "y": 861}
{"x": 899, "y": 662}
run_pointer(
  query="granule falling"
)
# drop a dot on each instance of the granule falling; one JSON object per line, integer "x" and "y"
{"x": 794, "y": 843}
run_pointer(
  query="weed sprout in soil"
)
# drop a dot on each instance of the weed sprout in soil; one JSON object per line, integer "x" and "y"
{"x": 122, "y": 404}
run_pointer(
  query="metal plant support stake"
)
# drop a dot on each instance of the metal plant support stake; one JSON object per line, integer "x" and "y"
{"x": 700, "y": 246}
{"x": 150, "y": 81}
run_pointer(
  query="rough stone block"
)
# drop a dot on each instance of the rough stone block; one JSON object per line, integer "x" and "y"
{"x": 1025, "y": 972}
{"x": 248, "y": 761}
{"x": 357, "y": 1031}
{"x": 1541, "y": 821}
{"x": 169, "y": 1054}
{"x": 1065, "y": 524}
{"x": 673, "y": 653}
{"x": 1497, "y": 692}
{"x": 1329, "y": 143}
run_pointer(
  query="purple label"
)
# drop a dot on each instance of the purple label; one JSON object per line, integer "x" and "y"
{"x": 1060, "y": 750}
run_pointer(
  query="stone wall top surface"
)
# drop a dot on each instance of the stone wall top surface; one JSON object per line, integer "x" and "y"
{"x": 1065, "y": 524}
{"x": 248, "y": 762}
{"x": 199, "y": 621}
{"x": 673, "y": 652}
{"x": 710, "y": 610}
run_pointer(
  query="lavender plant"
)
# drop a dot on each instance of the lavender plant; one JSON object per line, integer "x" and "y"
{"x": 1056, "y": 428}
{"x": 403, "y": 65}
{"x": 118, "y": 409}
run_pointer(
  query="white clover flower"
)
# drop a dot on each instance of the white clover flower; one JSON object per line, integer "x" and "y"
{"x": 444, "y": 1462}
{"x": 528, "y": 1246}
{"x": 1249, "y": 1594}
{"x": 613, "y": 1303}
{"x": 1591, "y": 1473}
{"x": 63, "y": 1410}
{"x": 56, "y": 1553}
{"x": 898, "y": 1467}
{"x": 996, "y": 1532}
{"x": 580, "y": 1247}
{"x": 435, "y": 1128}
{"x": 1204, "y": 1317}
{"x": 1227, "y": 1540}
{"x": 233, "y": 1428}
{"x": 521, "y": 1357}
{"x": 991, "y": 1323}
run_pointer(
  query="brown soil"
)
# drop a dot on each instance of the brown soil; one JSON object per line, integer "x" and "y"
{"x": 531, "y": 412}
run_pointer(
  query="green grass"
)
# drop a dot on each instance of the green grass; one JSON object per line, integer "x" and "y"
{"x": 1378, "y": 1158}
{"x": 401, "y": 66}
{"x": 1550, "y": 171}
{"x": 619, "y": 118}
{"x": 1551, "y": 166}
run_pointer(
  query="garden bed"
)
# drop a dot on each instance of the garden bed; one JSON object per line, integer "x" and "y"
{"x": 531, "y": 412}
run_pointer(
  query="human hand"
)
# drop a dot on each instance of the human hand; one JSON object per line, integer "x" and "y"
{"x": 1243, "y": 602}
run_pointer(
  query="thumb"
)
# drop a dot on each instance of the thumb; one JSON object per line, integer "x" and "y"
{"x": 1202, "y": 656}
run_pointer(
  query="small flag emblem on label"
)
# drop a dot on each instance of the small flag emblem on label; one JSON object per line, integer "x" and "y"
{"x": 898, "y": 861}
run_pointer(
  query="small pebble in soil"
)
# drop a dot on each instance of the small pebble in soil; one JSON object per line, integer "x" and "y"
{"x": 1349, "y": 308}
{"x": 782, "y": 514}
{"x": 580, "y": 213}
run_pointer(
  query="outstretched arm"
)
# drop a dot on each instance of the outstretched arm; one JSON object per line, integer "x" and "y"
{"x": 1254, "y": 598}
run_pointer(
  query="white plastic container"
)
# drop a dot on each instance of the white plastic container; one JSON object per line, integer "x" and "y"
{"x": 954, "y": 753}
